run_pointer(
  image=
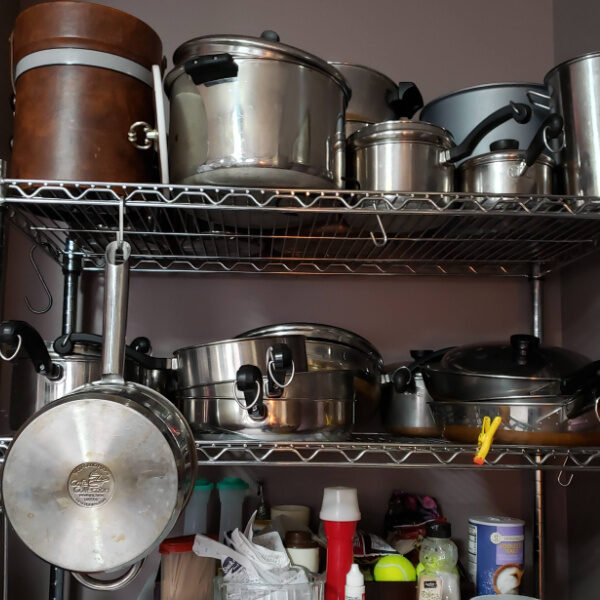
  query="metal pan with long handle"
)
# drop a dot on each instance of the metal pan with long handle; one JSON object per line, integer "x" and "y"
{"x": 94, "y": 481}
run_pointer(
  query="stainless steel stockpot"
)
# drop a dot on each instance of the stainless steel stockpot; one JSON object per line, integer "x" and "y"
{"x": 333, "y": 348}
{"x": 414, "y": 156}
{"x": 461, "y": 110}
{"x": 94, "y": 481}
{"x": 573, "y": 88}
{"x": 508, "y": 170}
{"x": 255, "y": 112}
{"x": 375, "y": 97}
{"x": 220, "y": 361}
{"x": 314, "y": 404}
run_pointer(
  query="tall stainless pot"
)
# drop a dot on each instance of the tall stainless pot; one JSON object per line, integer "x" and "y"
{"x": 94, "y": 481}
{"x": 255, "y": 112}
{"x": 375, "y": 97}
{"x": 573, "y": 88}
{"x": 460, "y": 111}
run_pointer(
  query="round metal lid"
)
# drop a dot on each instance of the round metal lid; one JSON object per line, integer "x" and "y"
{"x": 523, "y": 357}
{"x": 319, "y": 332}
{"x": 403, "y": 130}
{"x": 516, "y": 156}
{"x": 90, "y": 484}
{"x": 250, "y": 47}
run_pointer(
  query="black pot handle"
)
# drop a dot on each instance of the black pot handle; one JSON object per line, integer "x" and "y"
{"x": 248, "y": 380}
{"x": 65, "y": 344}
{"x": 550, "y": 129}
{"x": 211, "y": 67}
{"x": 279, "y": 362}
{"x": 31, "y": 341}
{"x": 405, "y": 100}
{"x": 525, "y": 348}
{"x": 518, "y": 111}
{"x": 402, "y": 376}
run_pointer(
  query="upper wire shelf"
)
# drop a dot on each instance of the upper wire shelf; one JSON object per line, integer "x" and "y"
{"x": 216, "y": 229}
{"x": 382, "y": 451}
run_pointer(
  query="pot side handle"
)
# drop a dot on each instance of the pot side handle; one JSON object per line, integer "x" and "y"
{"x": 21, "y": 333}
{"x": 211, "y": 67}
{"x": 584, "y": 386}
{"x": 518, "y": 111}
{"x": 110, "y": 585}
{"x": 550, "y": 129}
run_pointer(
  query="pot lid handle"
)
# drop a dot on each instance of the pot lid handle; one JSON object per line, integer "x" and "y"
{"x": 504, "y": 145}
{"x": 270, "y": 35}
{"x": 524, "y": 348}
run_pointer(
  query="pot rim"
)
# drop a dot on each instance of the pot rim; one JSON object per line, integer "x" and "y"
{"x": 449, "y": 372}
{"x": 570, "y": 61}
{"x": 276, "y": 338}
{"x": 513, "y": 156}
{"x": 394, "y": 132}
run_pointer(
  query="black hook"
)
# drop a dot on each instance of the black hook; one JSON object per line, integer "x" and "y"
{"x": 43, "y": 282}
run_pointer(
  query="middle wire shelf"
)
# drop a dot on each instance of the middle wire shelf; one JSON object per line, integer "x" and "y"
{"x": 216, "y": 230}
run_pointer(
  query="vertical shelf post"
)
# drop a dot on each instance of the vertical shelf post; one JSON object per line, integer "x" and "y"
{"x": 537, "y": 329}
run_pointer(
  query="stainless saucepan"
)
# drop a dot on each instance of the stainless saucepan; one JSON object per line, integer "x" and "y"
{"x": 95, "y": 480}
{"x": 414, "y": 155}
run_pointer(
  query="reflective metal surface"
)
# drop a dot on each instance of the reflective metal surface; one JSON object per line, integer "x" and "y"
{"x": 370, "y": 91}
{"x": 530, "y": 421}
{"x": 574, "y": 87}
{"x": 277, "y": 123}
{"x": 502, "y": 173}
{"x": 400, "y": 156}
{"x": 219, "y": 361}
{"x": 408, "y": 413}
{"x": 460, "y": 111}
{"x": 319, "y": 403}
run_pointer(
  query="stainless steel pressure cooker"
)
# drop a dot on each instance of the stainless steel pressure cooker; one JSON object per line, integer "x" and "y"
{"x": 375, "y": 97}
{"x": 255, "y": 112}
{"x": 413, "y": 155}
{"x": 95, "y": 480}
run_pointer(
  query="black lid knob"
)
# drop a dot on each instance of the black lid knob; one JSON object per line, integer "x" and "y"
{"x": 438, "y": 530}
{"x": 270, "y": 35}
{"x": 419, "y": 354}
{"x": 504, "y": 145}
{"x": 525, "y": 348}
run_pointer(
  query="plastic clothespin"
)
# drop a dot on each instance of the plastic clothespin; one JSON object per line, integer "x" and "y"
{"x": 486, "y": 437}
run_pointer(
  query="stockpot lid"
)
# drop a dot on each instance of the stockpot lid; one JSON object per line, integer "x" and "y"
{"x": 243, "y": 47}
{"x": 516, "y": 156}
{"x": 347, "y": 69}
{"x": 523, "y": 357}
{"x": 568, "y": 62}
{"x": 318, "y": 332}
{"x": 403, "y": 130}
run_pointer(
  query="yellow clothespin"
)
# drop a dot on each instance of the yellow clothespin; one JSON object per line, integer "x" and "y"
{"x": 486, "y": 437}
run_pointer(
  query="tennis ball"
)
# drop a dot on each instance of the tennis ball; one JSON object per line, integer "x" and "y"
{"x": 394, "y": 567}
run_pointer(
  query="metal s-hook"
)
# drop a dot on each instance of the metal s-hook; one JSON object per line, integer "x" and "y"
{"x": 384, "y": 238}
{"x": 43, "y": 282}
{"x": 560, "y": 476}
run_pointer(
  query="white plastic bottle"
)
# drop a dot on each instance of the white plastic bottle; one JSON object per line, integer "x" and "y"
{"x": 355, "y": 584}
{"x": 438, "y": 555}
{"x": 231, "y": 494}
{"x": 196, "y": 510}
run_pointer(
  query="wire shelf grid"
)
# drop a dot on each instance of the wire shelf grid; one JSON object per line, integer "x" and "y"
{"x": 210, "y": 229}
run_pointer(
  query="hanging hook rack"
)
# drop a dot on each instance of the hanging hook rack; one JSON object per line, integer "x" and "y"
{"x": 39, "y": 311}
{"x": 560, "y": 476}
{"x": 384, "y": 238}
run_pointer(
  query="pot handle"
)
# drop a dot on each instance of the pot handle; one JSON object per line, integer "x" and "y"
{"x": 211, "y": 67}
{"x": 550, "y": 129}
{"x": 279, "y": 361}
{"x": 21, "y": 334}
{"x": 248, "y": 380}
{"x": 116, "y": 293}
{"x": 518, "y": 111}
{"x": 584, "y": 386}
{"x": 111, "y": 585}
{"x": 405, "y": 100}
{"x": 402, "y": 376}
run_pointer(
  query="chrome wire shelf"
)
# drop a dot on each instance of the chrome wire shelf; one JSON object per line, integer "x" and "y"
{"x": 213, "y": 230}
{"x": 382, "y": 451}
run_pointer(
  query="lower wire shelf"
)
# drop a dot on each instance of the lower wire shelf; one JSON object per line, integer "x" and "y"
{"x": 382, "y": 451}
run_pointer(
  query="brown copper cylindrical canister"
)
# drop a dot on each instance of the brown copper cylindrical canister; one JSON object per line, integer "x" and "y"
{"x": 82, "y": 76}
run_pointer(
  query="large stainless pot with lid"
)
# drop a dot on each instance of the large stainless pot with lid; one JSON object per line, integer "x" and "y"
{"x": 319, "y": 405}
{"x": 45, "y": 371}
{"x": 416, "y": 156}
{"x": 460, "y": 111}
{"x": 506, "y": 169}
{"x": 333, "y": 348}
{"x": 375, "y": 97}
{"x": 255, "y": 112}
{"x": 95, "y": 480}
